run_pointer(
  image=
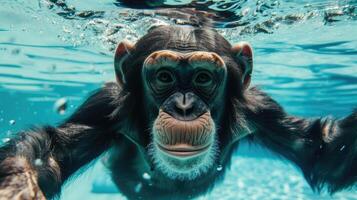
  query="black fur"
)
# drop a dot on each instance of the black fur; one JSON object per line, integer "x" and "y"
{"x": 324, "y": 149}
{"x": 73, "y": 144}
{"x": 115, "y": 119}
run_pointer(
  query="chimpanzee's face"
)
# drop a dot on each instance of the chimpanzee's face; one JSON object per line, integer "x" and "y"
{"x": 188, "y": 79}
{"x": 185, "y": 89}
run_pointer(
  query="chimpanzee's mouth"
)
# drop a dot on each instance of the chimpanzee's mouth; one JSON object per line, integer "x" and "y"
{"x": 183, "y": 150}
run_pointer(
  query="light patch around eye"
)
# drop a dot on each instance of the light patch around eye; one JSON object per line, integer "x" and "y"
{"x": 162, "y": 58}
{"x": 204, "y": 59}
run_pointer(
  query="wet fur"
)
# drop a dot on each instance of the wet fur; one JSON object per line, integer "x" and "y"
{"x": 111, "y": 119}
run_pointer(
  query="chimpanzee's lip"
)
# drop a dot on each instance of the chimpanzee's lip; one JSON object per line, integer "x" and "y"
{"x": 183, "y": 150}
{"x": 193, "y": 117}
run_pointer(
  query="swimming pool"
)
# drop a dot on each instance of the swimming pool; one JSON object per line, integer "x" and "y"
{"x": 305, "y": 58}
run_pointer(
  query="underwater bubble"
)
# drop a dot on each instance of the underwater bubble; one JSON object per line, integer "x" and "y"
{"x": 61, "y": 106}
{"x": 240, "y": 184}
{"x": 146, "y": 176}
{"x": 66, "y": 29}
{"x": 219, "y": 168}
{"x": 4, "y": 140}
{"x": 12, "y": 122}
{"x": 38, "y": 162}
{"x": 245, "y": 11}
{"x": 138, "y": 187}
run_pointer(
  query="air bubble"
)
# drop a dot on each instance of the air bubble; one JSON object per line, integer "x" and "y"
{"x": 38, "y": 162}
{"x": 61, "y": 106}
{"x": 66, "y": 30}
{"x": 5, "y": 140}
{"x": 219, "y": 168}
{"x": 138, "y": 187}
{"x": 245, "y": 11}
{"x": 146, "y": 176}
{"x": 240, "y": 184}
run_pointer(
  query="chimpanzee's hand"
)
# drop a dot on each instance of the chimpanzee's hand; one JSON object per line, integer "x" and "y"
{"x": 18, "y": 181}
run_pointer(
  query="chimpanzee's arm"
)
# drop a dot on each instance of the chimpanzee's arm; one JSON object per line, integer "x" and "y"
{"x": 325, "y": 149}
{"x": 47, "y": 156}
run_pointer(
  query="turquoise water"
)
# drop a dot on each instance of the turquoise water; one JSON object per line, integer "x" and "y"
{"x": 305, "y": 57}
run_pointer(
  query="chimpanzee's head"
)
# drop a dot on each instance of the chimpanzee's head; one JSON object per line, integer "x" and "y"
{"x": 188, "y": 77}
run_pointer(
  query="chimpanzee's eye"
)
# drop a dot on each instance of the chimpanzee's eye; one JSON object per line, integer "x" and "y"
{"x": 164, "y": 76}
{"x": 203, "y": 78}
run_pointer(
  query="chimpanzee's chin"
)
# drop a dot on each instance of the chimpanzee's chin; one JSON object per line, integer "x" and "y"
{"x": 184, "y": 167}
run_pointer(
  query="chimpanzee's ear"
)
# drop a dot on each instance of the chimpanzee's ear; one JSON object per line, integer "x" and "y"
{"x": 244, "y": 51}
{"x": 121, "y": 54}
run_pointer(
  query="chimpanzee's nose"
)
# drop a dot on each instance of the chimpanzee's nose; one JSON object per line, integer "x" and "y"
{"x": 184, "y": 104}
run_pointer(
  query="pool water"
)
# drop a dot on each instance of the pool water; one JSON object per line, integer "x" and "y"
{"x": 305, "y": 58}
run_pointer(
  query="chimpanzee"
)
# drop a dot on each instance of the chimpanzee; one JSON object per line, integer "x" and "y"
{"x": 180, "y": 105}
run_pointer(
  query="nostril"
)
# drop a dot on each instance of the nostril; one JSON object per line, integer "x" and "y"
{"x": 189, "y": 111}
